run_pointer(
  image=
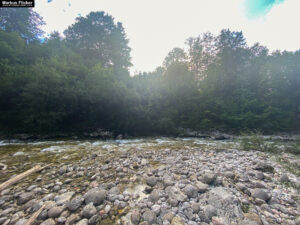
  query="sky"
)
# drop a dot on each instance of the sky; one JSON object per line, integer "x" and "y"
{"x": 155, "y": 27}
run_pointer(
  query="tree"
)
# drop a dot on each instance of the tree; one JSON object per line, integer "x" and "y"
{"x": 202, "y": 52}
{"x": 175, "y": 55}
{"x": 24, "y": 21}
{"x": 99, "y": 39}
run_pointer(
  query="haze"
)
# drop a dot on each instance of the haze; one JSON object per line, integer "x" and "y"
{"x": 155, "y": 27}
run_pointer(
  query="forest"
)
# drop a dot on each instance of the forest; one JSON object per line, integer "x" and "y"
{"x": 79, "y": 81}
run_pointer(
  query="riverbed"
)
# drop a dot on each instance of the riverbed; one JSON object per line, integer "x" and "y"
{"x": 150, "y": 181}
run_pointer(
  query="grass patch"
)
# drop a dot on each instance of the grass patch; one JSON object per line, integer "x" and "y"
{"x": 255, "y": 141}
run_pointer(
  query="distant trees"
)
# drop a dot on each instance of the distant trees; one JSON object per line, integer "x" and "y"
{"x": 97, "y": 38}
{"x": 81, "y": 82}
{"x": 24, "y": 21}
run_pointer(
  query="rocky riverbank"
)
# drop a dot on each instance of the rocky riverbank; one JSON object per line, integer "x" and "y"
{"x": 151, "y": 181}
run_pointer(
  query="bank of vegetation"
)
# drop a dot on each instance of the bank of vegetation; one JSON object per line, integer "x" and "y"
{"x": 79, "y": 81}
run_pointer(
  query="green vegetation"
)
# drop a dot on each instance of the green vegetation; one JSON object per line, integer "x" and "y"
{"x": 80, "y": 82}
{"x": 255, "y": 141}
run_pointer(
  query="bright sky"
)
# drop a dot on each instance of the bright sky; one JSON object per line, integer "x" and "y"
{"x": 154, "y": 27}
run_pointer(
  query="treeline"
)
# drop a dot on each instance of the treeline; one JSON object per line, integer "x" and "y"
{"x": 79, "y": 81}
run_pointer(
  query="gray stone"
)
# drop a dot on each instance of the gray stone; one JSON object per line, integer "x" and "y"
{"x": 94, "y": 220}
{"x": 82, "y": 222}
{"x": 176, "y": 193}
{"x": 55, "y": 212}
{"x": 24, "y": 197}
{"x": 154, "y": 196}
{"x": 264, "y": 167}
{"x": 22, "y": 222}
{"x": 260, "y": 194}
{"x": 64, "y": 198}
{"x": 190, "y": 191}
{"x": 96, "y": 196}
{"x": 149, "y": 216}
{"x": 61, "y": 220}
{"x": 201, "y": 187}
{"x": 48, "y": 222}
{"x": 135, "y": 216}
{"x": 210, "y": 211}
{"x": 195, "y": 207}
{"x": 2, "y": 220}
{"x": 89, "y": 210}
{"x": 284, "y": 178}
{"x": 73, "y": 218}
{"x": 75, "y": 203}
{"x": 151, "y": 181}
{"x": 209, "y": 178}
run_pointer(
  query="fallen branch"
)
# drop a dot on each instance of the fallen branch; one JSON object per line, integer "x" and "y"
{"x": 35, "y": 215}
{"x": 21, "y": 176}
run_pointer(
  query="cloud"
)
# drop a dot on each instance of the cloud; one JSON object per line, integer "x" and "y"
{"x": 258, "y": 8}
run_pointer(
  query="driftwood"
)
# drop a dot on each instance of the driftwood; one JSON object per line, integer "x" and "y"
{"x": 35, "y": 215}
{"x": 21, "y": 176}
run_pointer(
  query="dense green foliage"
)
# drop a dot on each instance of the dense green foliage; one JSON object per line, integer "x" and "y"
{"x": 81, "y": 82}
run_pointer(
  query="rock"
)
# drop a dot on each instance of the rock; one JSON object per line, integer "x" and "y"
{"x": 24, "y": 197}
{"x": 225, "y": 202}
{"x": 195, "y": 207}
{"x": 201, "y": 187}
{"x": 61, "y": 220}
{"x": 19, "y": 154}
{"x": 208, "y": 178}
{"x": 260, "y": 194}
{"x": 173, "y": 202}
{"x": 135, "y": 216}
{"x": 253, "y": 217}
{"x": 149, "y": 216}
{"x": 114, "y": 191}
{"x": 2, "y": 220}
{"x": 151, "y": 181}
{"x": 229, "y": 174}
{"x": 190, "y": 191}
{"x": 175, "y": 193}
{"x": 75, "y": 203}
{"x": 89, "y": 210}
{"x": 210, "y": 211}
{"x": 72, "y": 219}
{"x": 154, "y": 196}
{"x": 168, "y": 216}
{"x": 7, "y": 211}
{"x": 284, "y": 178}
{"x": 167, "y": 182}
{"x": 96, "y": 196}
{"x": 264, "y": 167}
{"x": 3, "y": 166}
{"x": 156, "y": 209}
{"x": 82, "y": 222}
{"x": 24, "y": 221}
{"x": 64, "y": 198}
{"x": 55, "y": 212}
{"x": 177, "y": 221}
{"x": 48, "y": 222}
{"x": 94, "y": 220}
{"x": 247, "y": 222}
